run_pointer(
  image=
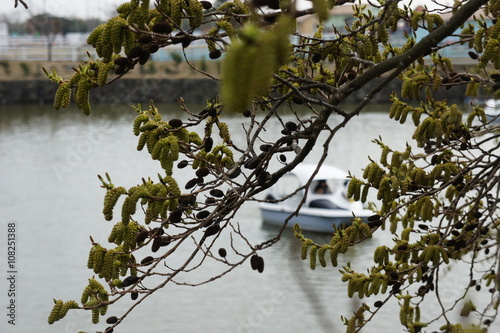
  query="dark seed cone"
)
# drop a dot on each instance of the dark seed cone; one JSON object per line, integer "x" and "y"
{"x": 144, "y": 57}
{"x": 222, "y": 252}
{"x": 210, "y": 201}
{"x": 119, "y": 70}
{"x": 175, "y": 123}
{"x": 156, "y": 244}
{"x": 203, "y": 214}
{"x": 145, "y": 39}
{"x": 122, "y": 61}
{"x": 215, "y": 54}
{"x": 209, "y": 142}
{"x": 192, "y": 183}
{"x": 235, "y": 173}
{"x": 291, "y": 126}
{"x": 266, "y": 147}
{"x": 141, "y": 236}
{"x": 374, "y": 217}
{"x": 316, "y": 57}
{"x": 206, "y": 4}
{"x": 252, "y": 163}
{"x": 162, "y": 28}
{"x": 130, "y": 280}
{"x": 212, "y": 230}
{"x": 147, "y": 261}
{"x": 176, "y": 216}
{"x": 216, "y": 193}
{"x": 182, "y": 164}
{"x": 247, "y": 113}
{"x": 186, "y": 42}
{"x": 254, "y": 261}
{"x": 375, "y": 223}
{"x": 351, "y": 75}
{"x": 153, "y": 48}
{"x": 157, "y": 232}
{"x": 134, "y": 52}
{"x": 202, "y": 172}
{"x": 112, "y": 320}
{"x": 165, "y": 241}
{"x": 260, "y": 264}
{"x": 177, "y": 39}
{"x": 134, "y": 295}
{"x": 298, "y": 100}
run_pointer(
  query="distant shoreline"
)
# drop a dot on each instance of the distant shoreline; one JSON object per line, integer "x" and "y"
{"x": 136, "y": 89}
{"x": 42, "y": 91}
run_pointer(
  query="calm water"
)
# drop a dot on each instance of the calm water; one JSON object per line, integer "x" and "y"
{"x": 49, "y": 161}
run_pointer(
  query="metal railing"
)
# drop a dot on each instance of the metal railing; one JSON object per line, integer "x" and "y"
{"x": 196, "y": 51}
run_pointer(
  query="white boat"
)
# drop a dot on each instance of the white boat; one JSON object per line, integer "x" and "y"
{"x": 492, "y": 109}
{"x": 326, "y": 202}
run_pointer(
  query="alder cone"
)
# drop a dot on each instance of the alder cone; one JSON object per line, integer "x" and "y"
{"x": 235, "y": 173}
{"x": 182, "y": 164}
{"x": 316, "y": 57}
{"x": 209, "y": 143}
{"x": 162, "y": 28}
{"x": 192, "y": 183}
{"x": 215, "y": 54}
{"x": 144, "y": 57}
{"x": 145, "y": 39}
{"x": 202, "y": 172}
{"x": 203, "y": 214}
{"x": 141, "y": 236}
{"x": 175, "y": 123}
{"x": 206, "y": 4}
{"x": 147, "y": 261}
{"x": 176, "y": 216}
{"x": 153, "y": 48}
{"x": 121, "y": 61}
{"x": 222, "y": 252}
{"x": 119, "y": 70}
{"x": 212, "y": 230}
{"x": 135, "y": 52}
{"x": 257, "y": 263}
{"x": 291, "y": 126}
{"x": 130, "y": 280}
{"x": 216, "y": 193}
{"x": 156, "y": 244}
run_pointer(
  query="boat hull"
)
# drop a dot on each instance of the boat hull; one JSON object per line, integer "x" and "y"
{"x": 319, "y": 221}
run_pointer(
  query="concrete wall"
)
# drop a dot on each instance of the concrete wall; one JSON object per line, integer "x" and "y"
{"x": 166, "y": 91}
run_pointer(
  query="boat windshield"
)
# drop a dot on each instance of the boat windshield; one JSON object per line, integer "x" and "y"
{"x": 287, "y": 185}
{"x": 328, "y": 186}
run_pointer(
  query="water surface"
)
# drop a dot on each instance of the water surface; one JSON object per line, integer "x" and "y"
{"x": 49, "y": 162}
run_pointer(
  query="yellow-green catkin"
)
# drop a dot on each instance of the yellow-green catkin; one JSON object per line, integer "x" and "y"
{"x": 63, "y": 96}
{"x": 82, "y": 95}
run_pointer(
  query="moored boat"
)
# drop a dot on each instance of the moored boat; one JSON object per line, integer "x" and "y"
{"x": 326, "y": 203}
{"x": 492, "y": 109}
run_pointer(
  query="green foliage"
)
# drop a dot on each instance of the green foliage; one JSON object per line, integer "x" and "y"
{"x": 25, "y": 68}
{"x": 437, "y": 197}
{"x": 176, "y": 58}
{"x": 6, "y": 66}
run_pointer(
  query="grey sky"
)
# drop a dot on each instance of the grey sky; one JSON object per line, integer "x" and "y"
{"x": 85, "y": 8}
{"x": 66, "y": 8}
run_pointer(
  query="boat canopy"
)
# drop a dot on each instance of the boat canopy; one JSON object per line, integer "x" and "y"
{"x": 304, "y": 171}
